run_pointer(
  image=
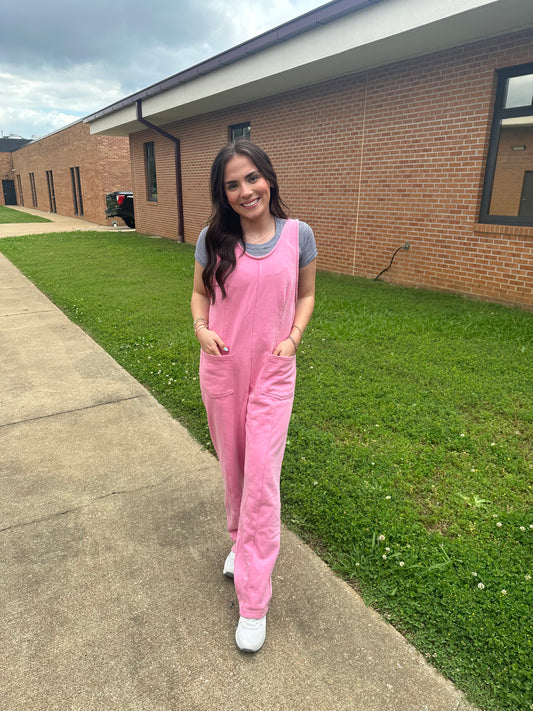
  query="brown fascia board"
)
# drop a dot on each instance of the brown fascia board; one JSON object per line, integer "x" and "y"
{"x": 321, "y": 16}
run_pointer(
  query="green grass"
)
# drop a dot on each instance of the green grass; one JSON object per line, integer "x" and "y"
{"x": 408, "y": 466}
{"x": 9, "y": 217}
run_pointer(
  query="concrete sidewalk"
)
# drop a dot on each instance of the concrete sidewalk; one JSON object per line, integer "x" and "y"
{"x": 58, "y": 223}
{"x": 112, "y": 540}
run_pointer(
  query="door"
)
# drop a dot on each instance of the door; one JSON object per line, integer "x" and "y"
{"x": 10, "y": 196}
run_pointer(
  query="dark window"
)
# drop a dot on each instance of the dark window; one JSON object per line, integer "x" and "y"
{"x": 239, "y": 130}
{"x": 19, "y": 185}
{"x": 507, "y": 191}
{"x": 33, "y": 190}
{"x": 76, "y": 190}
{"x": 51, "y": 191}
{"x": 151, "y": 179}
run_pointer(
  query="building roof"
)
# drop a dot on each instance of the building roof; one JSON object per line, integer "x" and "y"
{"x": 8, "y": 145}
{"x": 322, "y": 15}
{"x": 342, "y": 37}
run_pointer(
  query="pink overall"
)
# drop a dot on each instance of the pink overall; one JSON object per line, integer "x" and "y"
{"x": 248, "y": 395}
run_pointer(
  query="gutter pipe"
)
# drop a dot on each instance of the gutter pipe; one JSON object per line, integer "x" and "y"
{"x": 177, "y": 147}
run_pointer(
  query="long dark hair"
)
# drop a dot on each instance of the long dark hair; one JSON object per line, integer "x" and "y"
{"x": 224, "y": 230}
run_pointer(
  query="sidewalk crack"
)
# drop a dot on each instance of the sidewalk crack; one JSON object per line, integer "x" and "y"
{"x": 102, "y": 497}
{"x": 28, "y": 313}
{"x": 70, "y": 412}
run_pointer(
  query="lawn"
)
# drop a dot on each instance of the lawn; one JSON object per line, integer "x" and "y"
{"x": 408, "y": 465}
{"x": 9, "y": 216}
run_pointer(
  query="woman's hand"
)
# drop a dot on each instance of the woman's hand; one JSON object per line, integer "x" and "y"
{"x": 285, "y": 348}
{"x": 211, "y": 342}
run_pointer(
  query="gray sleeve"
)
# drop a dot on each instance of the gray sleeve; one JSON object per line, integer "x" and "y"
{"x": 307, "y": 244}
{"x": 200, "y": 253}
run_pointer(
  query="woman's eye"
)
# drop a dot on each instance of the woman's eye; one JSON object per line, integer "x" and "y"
{"x": 253, "y": 178}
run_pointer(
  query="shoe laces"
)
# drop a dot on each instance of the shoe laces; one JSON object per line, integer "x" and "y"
{"x": 251, "y": 624}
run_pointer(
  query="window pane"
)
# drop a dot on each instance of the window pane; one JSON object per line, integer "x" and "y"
{"x": 519, "y": 91}
{"x": 239, "y": 130}
{"x": 511, "y": 186}
{"x": 151, "y": 179}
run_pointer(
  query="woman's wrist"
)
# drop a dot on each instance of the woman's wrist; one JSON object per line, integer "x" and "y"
{"x": 200, "y": 324}
{"x": 296, "y": 335}
{"x": 295, "y": 326}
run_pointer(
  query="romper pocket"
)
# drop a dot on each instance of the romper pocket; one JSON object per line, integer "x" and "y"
{"x": 279, "y": 377}
{"x": 216, "y": 374}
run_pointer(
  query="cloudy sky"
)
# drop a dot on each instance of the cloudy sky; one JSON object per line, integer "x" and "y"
{"x": 61, "y": 60}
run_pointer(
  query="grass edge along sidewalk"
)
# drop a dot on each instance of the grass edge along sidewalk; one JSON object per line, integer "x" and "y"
{"x": 11, "y": 217}
{"x": 408, "y": 465}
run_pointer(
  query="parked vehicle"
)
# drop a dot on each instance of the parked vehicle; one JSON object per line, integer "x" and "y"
{"x": 120, "y": 204}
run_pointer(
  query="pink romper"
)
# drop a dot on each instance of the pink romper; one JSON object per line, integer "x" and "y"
{"x": 248, "y": 395}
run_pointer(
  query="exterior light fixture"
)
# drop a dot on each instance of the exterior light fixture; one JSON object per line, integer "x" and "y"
{"x": 518, "y": 148}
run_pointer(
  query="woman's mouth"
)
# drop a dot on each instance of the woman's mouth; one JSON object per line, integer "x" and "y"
{"x": 251, "y": 203}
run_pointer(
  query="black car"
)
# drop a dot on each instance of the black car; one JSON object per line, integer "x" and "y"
{"x": 120, "y": 204}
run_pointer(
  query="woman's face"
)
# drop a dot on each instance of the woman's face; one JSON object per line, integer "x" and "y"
{"x": 247, "y": 191}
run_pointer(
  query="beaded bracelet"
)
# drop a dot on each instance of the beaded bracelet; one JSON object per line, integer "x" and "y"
{"x": 293, "y": 342}
{"x": 298, "y": 327}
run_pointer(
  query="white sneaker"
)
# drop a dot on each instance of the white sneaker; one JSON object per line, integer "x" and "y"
{"x": 229, "y": 565}
{"x": 250, "y": 634}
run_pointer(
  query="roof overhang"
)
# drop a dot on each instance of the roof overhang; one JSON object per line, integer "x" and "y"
{"x": 316, "y": 47}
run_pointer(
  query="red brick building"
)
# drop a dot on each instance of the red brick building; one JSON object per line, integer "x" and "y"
{"x": 387, "y": 122}
{"x": 70, "y": 172}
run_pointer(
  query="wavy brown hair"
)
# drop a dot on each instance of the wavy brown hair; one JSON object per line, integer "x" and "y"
{"x": 224, "y": 231}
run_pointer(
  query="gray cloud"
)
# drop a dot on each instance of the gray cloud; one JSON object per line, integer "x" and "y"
{"x": 62, "y": 59}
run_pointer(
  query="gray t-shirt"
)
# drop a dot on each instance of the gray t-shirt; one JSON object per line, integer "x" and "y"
{"x": 306, "y": 241}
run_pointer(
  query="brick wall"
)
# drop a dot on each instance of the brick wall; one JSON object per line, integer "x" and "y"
{"x": 371, "y": 161}
{"x": 103, "y": 161}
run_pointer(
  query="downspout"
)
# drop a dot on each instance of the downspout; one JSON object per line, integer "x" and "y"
{"x": 179, "y": 187}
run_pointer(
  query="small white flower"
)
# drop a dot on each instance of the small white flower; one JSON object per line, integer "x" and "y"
{"x": 388, "y": 498}
{"x": 387, "y": 549}
{"x": 504, "y": 592}
{"x": 475, "y": 575}
{"x": 462, "y": 435}
{"x": 522, "y": 528}
{"x": 493, "y": 444}
{"x": 499, "y": 524}
{"x": 528, "y": 577}
{"x": 381, "y": 538}
{"x": 481, "y": 586}
{"x": 384, "y": 556}
{"x": 402, "y": 564}
{"x": 357, "y": 565}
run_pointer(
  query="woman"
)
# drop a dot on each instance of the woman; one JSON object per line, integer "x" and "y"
{"x": 253, "y": 296}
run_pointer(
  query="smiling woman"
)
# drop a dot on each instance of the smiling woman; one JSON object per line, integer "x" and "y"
{"x": 250, "y": 311}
